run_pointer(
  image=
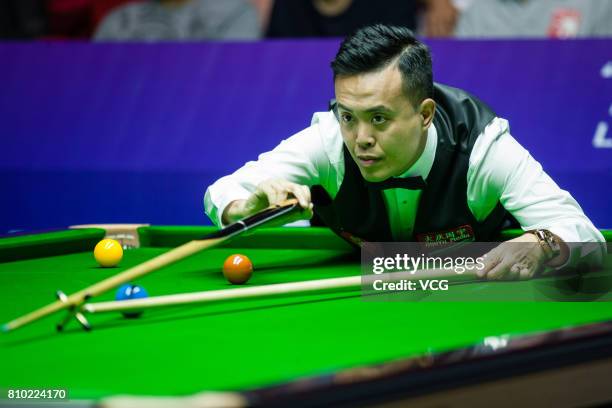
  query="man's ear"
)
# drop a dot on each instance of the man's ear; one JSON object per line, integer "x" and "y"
{"x": 427, "y": 109}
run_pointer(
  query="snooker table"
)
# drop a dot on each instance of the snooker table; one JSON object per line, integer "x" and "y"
{"x": 312, "y": 349}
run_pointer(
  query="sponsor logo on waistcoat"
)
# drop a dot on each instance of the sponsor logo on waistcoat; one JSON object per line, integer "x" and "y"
{"x": 458, "y": 234}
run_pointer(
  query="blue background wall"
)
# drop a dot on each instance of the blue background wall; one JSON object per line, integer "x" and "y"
{"x": 135, "y": 133}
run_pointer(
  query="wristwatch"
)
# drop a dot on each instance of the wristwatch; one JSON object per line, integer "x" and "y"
{"x": 547, "y": 241}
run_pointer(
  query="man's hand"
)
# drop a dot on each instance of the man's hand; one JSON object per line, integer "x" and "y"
{"x": 268, "y": 193}
{"x": 519, "y": 258}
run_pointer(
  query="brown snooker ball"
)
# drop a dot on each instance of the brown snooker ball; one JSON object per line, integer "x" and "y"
{"x": 237, "y": 269}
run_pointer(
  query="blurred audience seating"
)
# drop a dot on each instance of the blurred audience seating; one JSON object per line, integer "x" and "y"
{"x": 152, "y": 20}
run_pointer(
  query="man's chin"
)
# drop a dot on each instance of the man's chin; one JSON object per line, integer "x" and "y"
{"x": 373, "y": 176}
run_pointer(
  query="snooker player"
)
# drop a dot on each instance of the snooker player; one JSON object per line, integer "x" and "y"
{"x": 406, "y": 159}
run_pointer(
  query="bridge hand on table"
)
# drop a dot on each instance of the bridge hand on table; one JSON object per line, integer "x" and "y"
{"x": 518, "y": 259}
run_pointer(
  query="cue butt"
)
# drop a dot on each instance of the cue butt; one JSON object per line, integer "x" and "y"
{"x": 206, "y": 399}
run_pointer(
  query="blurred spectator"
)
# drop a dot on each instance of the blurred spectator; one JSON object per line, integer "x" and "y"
{"x": 22, "y": 19}
{"x": 159, "y": 20}
{"x": 70, "y": 18}
{"x": 439, "y": 17}
{"x": 78, "y": 18}
{"x": 33, "y": 19}
{"x": 536, "y": 18}
{"x": 100, "y": 8}
{"x": 264, "y": 9}
{"x": 337, "y": 18}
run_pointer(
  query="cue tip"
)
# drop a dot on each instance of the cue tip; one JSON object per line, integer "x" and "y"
{"x": 5, "y": 328}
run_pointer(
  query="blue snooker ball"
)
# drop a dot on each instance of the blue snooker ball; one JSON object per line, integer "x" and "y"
{"x": 129, "y": 291}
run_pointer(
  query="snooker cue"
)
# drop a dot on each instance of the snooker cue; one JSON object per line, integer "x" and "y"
{"x": 167, "y": 258}
{"x": 268, "y": 290}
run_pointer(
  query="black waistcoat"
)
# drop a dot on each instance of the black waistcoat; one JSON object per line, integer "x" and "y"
{"x": 358, "y": 212}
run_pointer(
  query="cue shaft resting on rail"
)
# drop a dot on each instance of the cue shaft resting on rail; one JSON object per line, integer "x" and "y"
{"x": 269, "y": 290}
{"x": 167, "y": 258}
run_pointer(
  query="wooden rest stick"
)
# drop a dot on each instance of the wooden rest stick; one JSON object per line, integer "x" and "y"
{"x": 267, "y": 290}
{"x": 158, "y": 262}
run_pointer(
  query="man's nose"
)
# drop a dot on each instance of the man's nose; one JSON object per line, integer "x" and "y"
{"x": 364, "y": 137}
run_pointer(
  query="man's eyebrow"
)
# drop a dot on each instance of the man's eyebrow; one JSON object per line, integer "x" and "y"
{"x": 378, "y": 108}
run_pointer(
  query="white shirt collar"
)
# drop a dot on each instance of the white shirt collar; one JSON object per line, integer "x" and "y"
{"x": 423, "y": 165}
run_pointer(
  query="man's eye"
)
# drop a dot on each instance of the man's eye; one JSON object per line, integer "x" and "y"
{"x": 345, "y": 117}
{"x": 378, "y": 119}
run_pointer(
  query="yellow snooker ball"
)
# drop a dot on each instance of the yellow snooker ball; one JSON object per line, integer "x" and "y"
{"x": 108, "y": 253}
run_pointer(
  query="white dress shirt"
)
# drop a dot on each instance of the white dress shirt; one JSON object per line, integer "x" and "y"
{"x": 500, "y": 170}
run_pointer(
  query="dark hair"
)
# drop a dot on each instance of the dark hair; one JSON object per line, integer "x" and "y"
{"x": 374, "y": 47}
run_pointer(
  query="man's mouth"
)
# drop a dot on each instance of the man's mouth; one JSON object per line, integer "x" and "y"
{"x": 367, "y": 160}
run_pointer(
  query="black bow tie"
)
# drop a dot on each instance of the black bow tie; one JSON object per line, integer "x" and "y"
{"x": 409, "y": 183}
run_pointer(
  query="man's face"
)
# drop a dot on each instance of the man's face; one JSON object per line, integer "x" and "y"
{"x": 381, "y": 129}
